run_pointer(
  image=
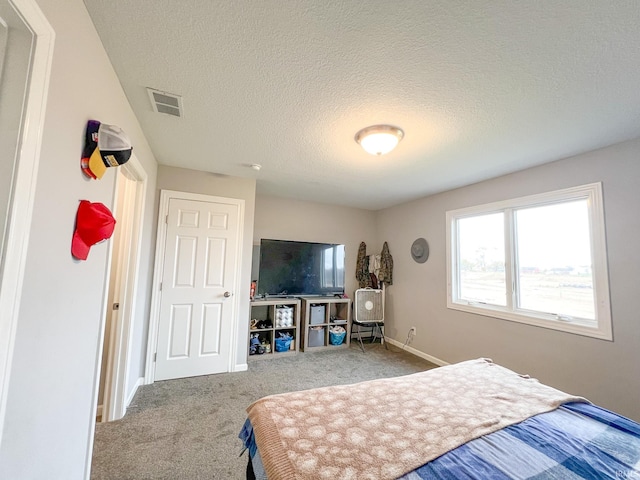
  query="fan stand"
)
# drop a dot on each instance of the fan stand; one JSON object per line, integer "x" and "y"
{"x": 369, "y": 313}
{"x": 376, "y": 328}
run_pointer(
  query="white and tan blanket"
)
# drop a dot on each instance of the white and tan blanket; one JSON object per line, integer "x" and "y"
{"x": 382, "y": 429}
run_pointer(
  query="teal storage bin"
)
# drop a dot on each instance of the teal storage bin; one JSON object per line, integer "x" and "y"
{"x": 283, "y": 344}
{"x": 336, "y": 338}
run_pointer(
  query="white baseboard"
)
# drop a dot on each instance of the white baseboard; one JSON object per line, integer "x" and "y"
{"x": 133, "y": 391}
{"x": 417, "y": 353}
{"x": 241, "y": 367}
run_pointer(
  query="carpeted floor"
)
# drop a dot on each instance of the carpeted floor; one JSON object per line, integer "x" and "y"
{"x": 188, "y": 428}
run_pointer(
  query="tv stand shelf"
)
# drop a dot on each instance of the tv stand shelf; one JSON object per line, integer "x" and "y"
{"x": 273, "y": 316}
{"x": 319, "y": 315}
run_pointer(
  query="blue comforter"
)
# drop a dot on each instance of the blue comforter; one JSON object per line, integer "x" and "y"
{"x": 575, "y": 441}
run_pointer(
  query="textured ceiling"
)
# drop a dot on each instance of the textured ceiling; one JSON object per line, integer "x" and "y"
{"x": 481, "y": 88}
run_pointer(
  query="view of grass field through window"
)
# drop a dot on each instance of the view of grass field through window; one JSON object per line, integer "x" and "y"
{"x": 552, "y": 255}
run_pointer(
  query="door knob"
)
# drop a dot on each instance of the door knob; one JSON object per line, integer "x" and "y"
{"x": 227, "y": 294}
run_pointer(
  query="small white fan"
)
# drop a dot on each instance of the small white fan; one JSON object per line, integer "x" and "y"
{"x": 369, "y": 305}
{"x": 369, "y": 313}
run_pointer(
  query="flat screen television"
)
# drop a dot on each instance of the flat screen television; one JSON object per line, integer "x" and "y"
{"x": 289, "y": 268}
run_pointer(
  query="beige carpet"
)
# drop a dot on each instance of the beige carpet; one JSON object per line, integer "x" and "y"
{"x": 188, "y": 428}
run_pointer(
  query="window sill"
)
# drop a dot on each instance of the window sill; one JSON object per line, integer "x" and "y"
{"x": 602, "y": 332}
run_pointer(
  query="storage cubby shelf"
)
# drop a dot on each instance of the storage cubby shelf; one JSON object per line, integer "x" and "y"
{"x": 319, "y": 315}
{"x": 272, "y": 312}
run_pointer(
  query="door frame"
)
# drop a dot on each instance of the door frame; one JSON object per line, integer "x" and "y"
{"x": 158, "y": 270}
{"x": 24, "y": 186}
{"x": 125, "y": 268}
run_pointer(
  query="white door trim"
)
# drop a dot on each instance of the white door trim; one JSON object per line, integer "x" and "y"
{"x": 26, "y": 170}
{"x": 138, "y": 172}
{"x": 117, "y": 374}
{"x": 163, "y": 211}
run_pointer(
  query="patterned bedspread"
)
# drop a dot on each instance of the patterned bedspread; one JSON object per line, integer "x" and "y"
{"x": 382, "y": 429}
{"x": 576, "y": 441}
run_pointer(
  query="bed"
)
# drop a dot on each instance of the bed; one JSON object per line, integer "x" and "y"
{"x": 471, "y": 420}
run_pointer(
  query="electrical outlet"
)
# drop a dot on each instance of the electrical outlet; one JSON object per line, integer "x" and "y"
{"x": 410, "y": 336}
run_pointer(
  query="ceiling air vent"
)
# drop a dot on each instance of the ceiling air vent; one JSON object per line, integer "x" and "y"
{"x": 163, "y": 102}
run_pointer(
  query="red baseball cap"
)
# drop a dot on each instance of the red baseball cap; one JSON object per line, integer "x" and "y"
{"x": 94, "y": 223}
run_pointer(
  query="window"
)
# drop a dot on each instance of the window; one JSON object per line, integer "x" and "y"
{"x": 333, "y": 267}
{"x": 539, "y": 260}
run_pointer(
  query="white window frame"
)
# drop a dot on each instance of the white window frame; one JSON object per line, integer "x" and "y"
{"x": 593, "y": 194}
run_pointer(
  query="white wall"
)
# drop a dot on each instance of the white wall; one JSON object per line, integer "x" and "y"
{"x": 51, "y": 400}
{"x": 605, "y": 372}
{"x": 193, "y": 181}
{"x": 286, "y": 219}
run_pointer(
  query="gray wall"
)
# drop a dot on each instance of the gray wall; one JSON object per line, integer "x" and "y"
{"x": 287, "y": 219}
{"x": 604, "y": 372}
{"x": 51, "y": 399}
{"x": 193, "y": 181}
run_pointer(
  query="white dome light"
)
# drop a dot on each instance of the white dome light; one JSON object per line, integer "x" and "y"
{"x": 379, "y": 139}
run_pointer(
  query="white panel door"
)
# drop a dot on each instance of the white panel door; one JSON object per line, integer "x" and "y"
{"x": 196, "y": 306}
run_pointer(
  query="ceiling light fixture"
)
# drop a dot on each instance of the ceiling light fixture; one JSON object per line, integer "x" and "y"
{"x": 379, "y": 139}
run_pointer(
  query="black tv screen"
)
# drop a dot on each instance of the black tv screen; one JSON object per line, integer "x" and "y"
{"x": 290, "y": 268}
